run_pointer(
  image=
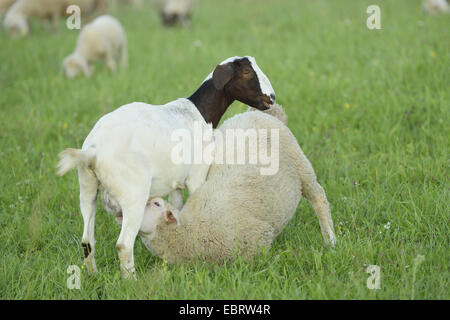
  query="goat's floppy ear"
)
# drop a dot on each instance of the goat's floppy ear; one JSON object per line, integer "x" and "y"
{"x": 172, "y": 217}
{"x": 222, "y": 74}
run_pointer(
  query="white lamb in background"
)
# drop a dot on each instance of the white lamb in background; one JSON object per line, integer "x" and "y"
{"x": 173, "y": 11}
{"x": 435, "y": 6}
{"x": 19, "y": 14}
{"x": 4, "y": 5}
{"x": 238, "y": 210}
{"x": 103, "y": 38}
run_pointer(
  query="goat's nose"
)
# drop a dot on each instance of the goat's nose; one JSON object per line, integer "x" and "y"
{"x": 272, "y": 96}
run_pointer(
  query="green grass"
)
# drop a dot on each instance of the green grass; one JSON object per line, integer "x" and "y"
{"x": 370, "y": 109}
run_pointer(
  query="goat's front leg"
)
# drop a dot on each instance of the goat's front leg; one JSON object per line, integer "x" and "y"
{"x": 176, "y": 198}
{"x": 131, "y": 223}
{"x": 131, "y": 187}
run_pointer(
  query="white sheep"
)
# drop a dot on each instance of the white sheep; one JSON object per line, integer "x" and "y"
{"x": 173, "y": 11}
{"x": 4, "y": 5}
{"x": 18, "y": 16}
{"x": 436, "y": 6}
{"x": 128, "y": 153}
{"x": 238, "y": 210}
{"x": 103, "y": 38}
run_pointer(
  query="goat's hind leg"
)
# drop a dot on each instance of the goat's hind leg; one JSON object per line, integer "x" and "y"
{"x": 88, "y": 205}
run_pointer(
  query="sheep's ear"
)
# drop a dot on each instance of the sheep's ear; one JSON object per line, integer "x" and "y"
{"x": 172, "y": 217}
{"x": 222, "y": 74}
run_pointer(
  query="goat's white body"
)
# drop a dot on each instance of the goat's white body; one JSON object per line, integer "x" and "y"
{"x": 128, "y": 154}
{"x": 103, "y": 38}
{"x": 137, "y": 137}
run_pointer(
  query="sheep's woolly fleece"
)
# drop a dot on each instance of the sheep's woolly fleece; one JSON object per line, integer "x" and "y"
{"x": 237, "y": 210}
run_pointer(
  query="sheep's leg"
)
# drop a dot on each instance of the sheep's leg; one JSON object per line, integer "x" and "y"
{"x": 88, "y": 204}
{"x": 315, "y": 193}
{"x": 123, "y": 56}
{"x": 109, "y": 58}
{"x": 55, "y": 21}
{"x": 176, "y": 198}
{"x": 185, "y": 21}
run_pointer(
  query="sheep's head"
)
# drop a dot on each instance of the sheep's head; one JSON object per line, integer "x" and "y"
{"x": 173, "y": 12}
{"x": 74, "y": 64}
{"x": 157, "y": 212}
{"x": 243, "y": 80}
{"x": 16, "y": 25}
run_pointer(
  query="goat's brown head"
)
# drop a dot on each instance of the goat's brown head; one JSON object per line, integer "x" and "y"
{"x": 243, "y": 80}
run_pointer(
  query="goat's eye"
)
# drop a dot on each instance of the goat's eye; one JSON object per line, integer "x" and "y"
{"x": 247, "y": 73}
{"x": 157, "y": 204}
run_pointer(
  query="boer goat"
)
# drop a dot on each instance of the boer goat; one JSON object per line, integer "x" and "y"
{"x": 128, "y": 152}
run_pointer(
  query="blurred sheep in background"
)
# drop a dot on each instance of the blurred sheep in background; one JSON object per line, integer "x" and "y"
{"x": 435, "y": 6}
{"x": 134, "y": 3}
{"x": 4, "y": 5}
{"x": 103, "y": 38}
{"x": 175, "y": 11}
{"x": 19, "y": 14}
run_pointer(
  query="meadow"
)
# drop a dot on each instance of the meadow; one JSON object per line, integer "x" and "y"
{"x": 370, "y": 109}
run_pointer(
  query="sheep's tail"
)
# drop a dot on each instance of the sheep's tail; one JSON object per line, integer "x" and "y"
{"x": 70, "y": 159}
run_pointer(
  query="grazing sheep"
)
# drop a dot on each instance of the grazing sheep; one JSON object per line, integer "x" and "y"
{"x": 128, "y": 153}
{"x": 4, "y": 5}
{"x": 435, "y": 6}
{"x": 238, "y": 210}
{"x": 103, "y": 38}
{"x": 173, "y": 11}
{"x": 19, "y": 14}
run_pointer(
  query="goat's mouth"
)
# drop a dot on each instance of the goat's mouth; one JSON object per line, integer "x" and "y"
{"x": 267, "y": 102}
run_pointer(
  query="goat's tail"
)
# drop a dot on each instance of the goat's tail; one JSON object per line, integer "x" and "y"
{"x": 72, "y": 158}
